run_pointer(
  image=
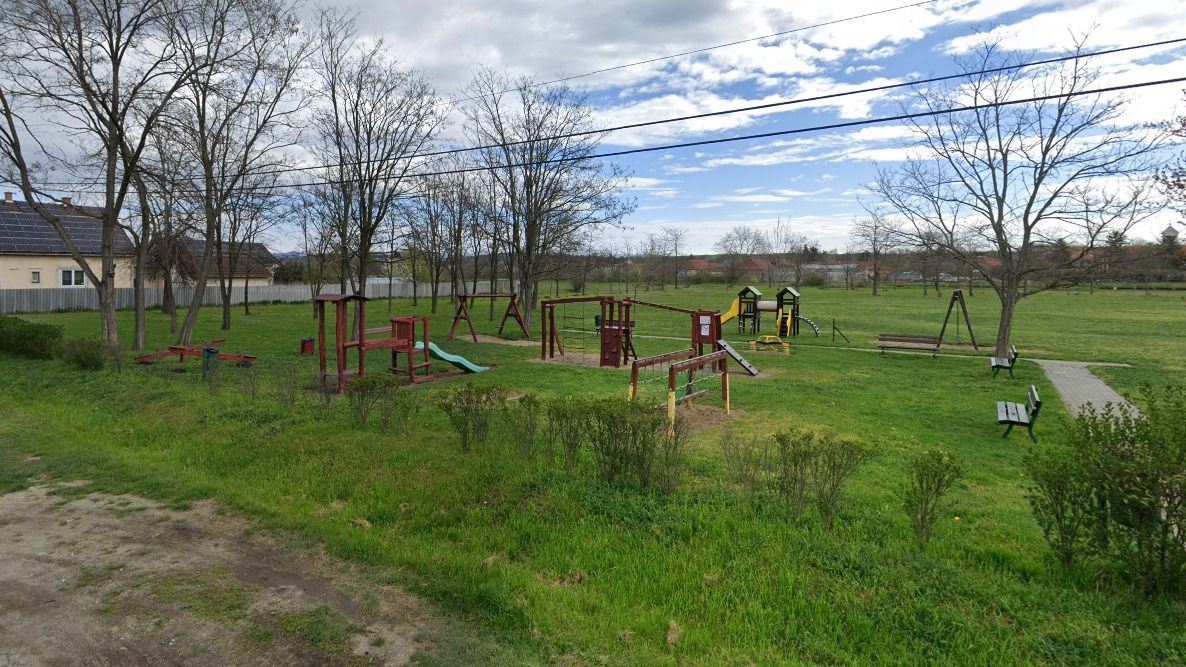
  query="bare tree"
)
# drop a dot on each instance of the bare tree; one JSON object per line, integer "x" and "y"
{"x": 550, "y": 184}
{"x": 874, "y": 237}
{"x": 430, "y": 230}
{"x": 236, "y": 118}
{"x": 1016, "y": 179}
{"x": 736, "y": 246}
{"x": 373, "y": 117}
{"x": 676, "y": 241}
{"x": 101, "y": 73}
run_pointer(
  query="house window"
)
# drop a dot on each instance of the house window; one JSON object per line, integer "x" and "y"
{"x": 73, "y": 278}
{"x": 35, "y": 277}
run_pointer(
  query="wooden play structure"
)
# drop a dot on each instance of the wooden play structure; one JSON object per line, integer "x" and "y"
{"x": 615, "y": 327}
{"x": 196, "y": 350}
{"x": 928, "y": 343}
{"x": 400, "y": 337}
{"x": 465, "y": 304}
{"x": 667, "y": 368}
{"x": 749, "y": 305}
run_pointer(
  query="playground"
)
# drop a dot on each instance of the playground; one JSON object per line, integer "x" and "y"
{"x": 554, "y": 566}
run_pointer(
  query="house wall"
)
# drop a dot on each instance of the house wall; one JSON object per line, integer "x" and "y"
{"x": 16, "y": 271}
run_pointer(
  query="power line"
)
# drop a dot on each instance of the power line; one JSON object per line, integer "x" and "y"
{"x": 711, "y": 114}
{"x": 782, "y": 133}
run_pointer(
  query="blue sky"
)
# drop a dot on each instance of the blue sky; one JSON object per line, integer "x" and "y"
{"x": 812, "y": 181}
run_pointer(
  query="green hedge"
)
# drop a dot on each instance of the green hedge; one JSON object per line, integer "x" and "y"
{"x": 28, "y": 339}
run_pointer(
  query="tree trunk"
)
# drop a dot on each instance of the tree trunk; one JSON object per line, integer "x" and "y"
{"x": 106, "y": 290}
{"x": 246, "y": 301}
{"x": 138, "y": 290}
{"x": 1009, "y": 297}
{"x": 169, "y": 300}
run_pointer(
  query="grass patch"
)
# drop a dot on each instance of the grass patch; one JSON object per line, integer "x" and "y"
{"x": 496, "y": 539}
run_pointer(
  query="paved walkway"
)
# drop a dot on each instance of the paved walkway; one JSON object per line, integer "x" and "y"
{"x": 1078, "y": 386}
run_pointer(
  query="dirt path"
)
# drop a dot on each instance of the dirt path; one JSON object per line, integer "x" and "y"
{"x": 122, "y": 580}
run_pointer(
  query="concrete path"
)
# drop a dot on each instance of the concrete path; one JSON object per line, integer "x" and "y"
{"x": 1078, "y": 386}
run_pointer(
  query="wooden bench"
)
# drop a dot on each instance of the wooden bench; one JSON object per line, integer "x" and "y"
{"x": 997, "y": 363}
{"x": 1020, "y": 414}
{"x": 908, "y": 342}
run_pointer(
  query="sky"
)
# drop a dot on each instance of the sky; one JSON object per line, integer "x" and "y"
{"x": 815, "y": 181}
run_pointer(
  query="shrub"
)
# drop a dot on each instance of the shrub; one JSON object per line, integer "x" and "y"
{"x": 1119, "y": 493}
{"x": 523, "y": 423}
{"x": 567, "y": 425}
{"x": 673, "y": 443}
{"x": 366, "y": 392}
{"x": 88, "y": 354}
{"x": 22, "y": 338}
{"x": 471, "y": 410}
{"x": 796, "y": 454}
{"x": 633, "y": 445}
{"x": 399, "y": 408}
{"x": 932, "y": 474}
{"x": 836, "y": 459}
{"x": 743, "y": 459}
{"x": 1061, "y": 497}
{"x": 285, "y": 388}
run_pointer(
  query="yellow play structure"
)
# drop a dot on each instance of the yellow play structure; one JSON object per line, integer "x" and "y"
{"x": 748, "y": 307}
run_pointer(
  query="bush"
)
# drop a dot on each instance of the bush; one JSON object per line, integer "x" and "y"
{"x": 398, "y": 409}
{"x": 743, "y": 459}
{"x": 87, "y": 354}
{"x": 1061, "y": 498}
{"x": 22, "y": 338}
{"x": 567, "y": 425}
{"x": 796, "y": 454}
{"x": 932, "y": 474}
{"x": 363, "y": 394}
{"x": 471, "y": 410}
{"x": 1119, "y": 493}
{"x": 836, "y": 459}
{"x": 634, "y": 445}
{"x": 523, "y": 422}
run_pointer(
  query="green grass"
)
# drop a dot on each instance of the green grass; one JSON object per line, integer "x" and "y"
{"x": 743, "y": 583}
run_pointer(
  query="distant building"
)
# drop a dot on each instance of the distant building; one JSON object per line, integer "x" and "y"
{"x": 33, "y": 255}
{"x": 1169, "y": 234}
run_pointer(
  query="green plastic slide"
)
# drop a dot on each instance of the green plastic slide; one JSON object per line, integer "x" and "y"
{"x": 457, "y": 360}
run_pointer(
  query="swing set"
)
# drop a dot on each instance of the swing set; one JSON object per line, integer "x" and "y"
{"x": 465, "y": 303}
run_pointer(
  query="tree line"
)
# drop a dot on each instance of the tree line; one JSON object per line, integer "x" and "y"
{"x": 198, "y": 120}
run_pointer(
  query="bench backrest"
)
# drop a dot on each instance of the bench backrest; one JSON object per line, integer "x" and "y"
{"x": 1012, "y": 354}
{"x": 1032, "y": 403}
{"x": 908, "y": 338}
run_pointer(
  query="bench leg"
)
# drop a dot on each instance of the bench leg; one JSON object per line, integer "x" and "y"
{"x": 1009, "y": 428}
{"x": 1030, "y": 430}
{"x": 995, "y": 370}
{"x": 1010, "y": 372}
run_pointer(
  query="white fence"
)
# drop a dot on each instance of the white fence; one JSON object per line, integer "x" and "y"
{"x": 50, "y": 299}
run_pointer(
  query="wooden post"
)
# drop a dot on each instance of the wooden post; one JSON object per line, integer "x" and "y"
{"x": 543, "y": 331}
{"x": 670, "y": 400}
{"x": 633, "y": 391}
{"x": 362, "y": 344}
{"x": 725, "y": 384}
{"x": 340, "y": 343}
{"x": 321, "y": 339}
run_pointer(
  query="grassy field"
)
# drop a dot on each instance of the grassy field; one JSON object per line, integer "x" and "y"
{"x": 560, "y": 567}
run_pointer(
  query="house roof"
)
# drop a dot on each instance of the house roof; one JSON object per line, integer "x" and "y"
{"x": 24, "y": 232}
{"x": 254, "y": 261}
{"x": 701, "y": 265}
{"x": 1170, "y": 232}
